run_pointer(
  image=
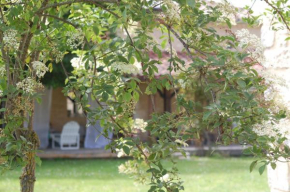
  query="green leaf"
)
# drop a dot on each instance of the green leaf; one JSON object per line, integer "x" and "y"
{"x": 191, "y": 3}
{"x": 105, "y": 96}
{"x": 253, "y": 165}
{"x": 241, "y": 83}
{"x": 38, "y": 160}
{"x": 152, "y": 189}
{"x": 152, "y": 156}
{"x": 229, "y": 23}
{"x": 262, "y": 169}
{"x": 206, "y": 115}
{"x": 96, "y": 30}
{"x": 262, "y": 139}
{"x": 127, "y": 97}
{"x": 273, "y": 165}
{"x": 152, "y": 170}
{"x": 136, "y": 96}
{"x": 126, "y": 149}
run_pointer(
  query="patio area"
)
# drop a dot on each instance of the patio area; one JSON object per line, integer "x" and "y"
{"x": 82, "y": 153}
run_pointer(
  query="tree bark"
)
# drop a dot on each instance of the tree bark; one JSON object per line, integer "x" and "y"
{"x": 27, "y": 179}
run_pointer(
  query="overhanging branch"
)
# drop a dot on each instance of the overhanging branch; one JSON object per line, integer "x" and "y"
{"x": 75, "y": 1}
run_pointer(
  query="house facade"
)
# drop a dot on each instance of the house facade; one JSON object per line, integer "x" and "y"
{"x": 56, "y": 109}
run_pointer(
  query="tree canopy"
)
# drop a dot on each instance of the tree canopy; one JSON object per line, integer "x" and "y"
{"x": 111, "y": 40}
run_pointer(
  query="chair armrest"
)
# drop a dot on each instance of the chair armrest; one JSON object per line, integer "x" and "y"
{"x": 55, "y": 136}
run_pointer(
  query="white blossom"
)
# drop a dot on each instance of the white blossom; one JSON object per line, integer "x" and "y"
{"x": 75, "y": 38}
{"x": 1, "y": 93}
{"x": 172, "y": 12}
{"x": 198, "y": 36}
{"x": 228, "y": 12}
{"x": 252, "y": 43}
{"x": 2, "y": 71}
{"x": 40, "y": 68}
{"x": 181, "y": 142}
{"x": 58, "y": 55}
{"x": 140, "y": 124}
{"x": 125, "y": 68}
{"x": 174, "y": 53}
{"x": 15, "y": 1}
{"x": 277, "y": 91}
{"x": 28, "y": 85}
{"x": 77, "y": 62}
{"x": 132, "y": 28}
{"x": 146, "y": 152}
{"x": 273, "y": 129}
{"x": 122, "y": 168}
{"x": 182, "y": 83}
{"x": 165, "y": 178}
{"x": 121, "y": 153}
{"x": 129, "y": 167}
{"x": 10, "y": 39}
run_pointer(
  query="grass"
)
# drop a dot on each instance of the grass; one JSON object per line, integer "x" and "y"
{"x": 199, "y": 175}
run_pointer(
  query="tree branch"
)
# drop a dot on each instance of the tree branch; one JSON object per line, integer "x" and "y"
{"x": 279, "y": 13}
{"x": 75, "y": 1}
{"x": 61, "y": 19}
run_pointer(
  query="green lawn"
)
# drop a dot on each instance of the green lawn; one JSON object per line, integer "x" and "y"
{"x": 199, "y": 174}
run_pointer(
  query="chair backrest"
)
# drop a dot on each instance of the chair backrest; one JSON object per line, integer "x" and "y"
{"x": 71, "y": 128}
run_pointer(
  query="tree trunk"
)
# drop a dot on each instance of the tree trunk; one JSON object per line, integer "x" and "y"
{"x": 27, "y": 178}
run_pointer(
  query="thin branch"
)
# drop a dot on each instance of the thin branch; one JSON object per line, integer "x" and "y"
{"x": 192, "y": 58}
{"x": 61, "y": 19}
{"x": 279, "y": 13}
{"x": 16, "y": 3}
{"x": 170, "y": 63}
{"x": 75, "y": 1}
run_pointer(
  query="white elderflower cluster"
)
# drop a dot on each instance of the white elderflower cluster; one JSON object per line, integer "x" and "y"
{"x": 2, "y": 71}
{"x": 78, "y": 63}
{"x": 132, "y": 28}
{"x": 125, "y": 68}
{"x": 75, "y": 38}
{"x": 198, "y": 36}
{"x": 10, "y": 39}
{"x": 120, "y": 153}
{"x": 16, "y": 1}
{"x": 182, "y": 83}
{"x": 181, "y": 142}
{"x": 165, "y": 178}
{"x": 28, "y": 85}
{"x": 273, "y": 129}
{"x": 58, "y": 55}
{"x": 228, "y": 12}
{"x": 134, "y": 170}
{"x": 129, "y": 167}
{"x": 146, "y": 152}
{"x": 272, "y": 79}
{"x": 40, "y": 68}
{"x": 172, "y": 10}
{"x": 140, "y": 124}
{"x": 174, "y": 53}
{"x": 277, "y": 92}
{"x": 1, "y": 93}
{"x": 252, "y": 43}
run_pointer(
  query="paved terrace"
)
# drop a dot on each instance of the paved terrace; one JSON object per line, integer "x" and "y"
{"x": 232, "y": 150}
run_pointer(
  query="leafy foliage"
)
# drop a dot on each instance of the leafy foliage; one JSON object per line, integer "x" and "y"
{"x": 106, "y": 72}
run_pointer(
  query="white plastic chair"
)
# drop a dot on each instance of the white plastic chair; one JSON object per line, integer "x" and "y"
{"x": 69, "y": 137}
